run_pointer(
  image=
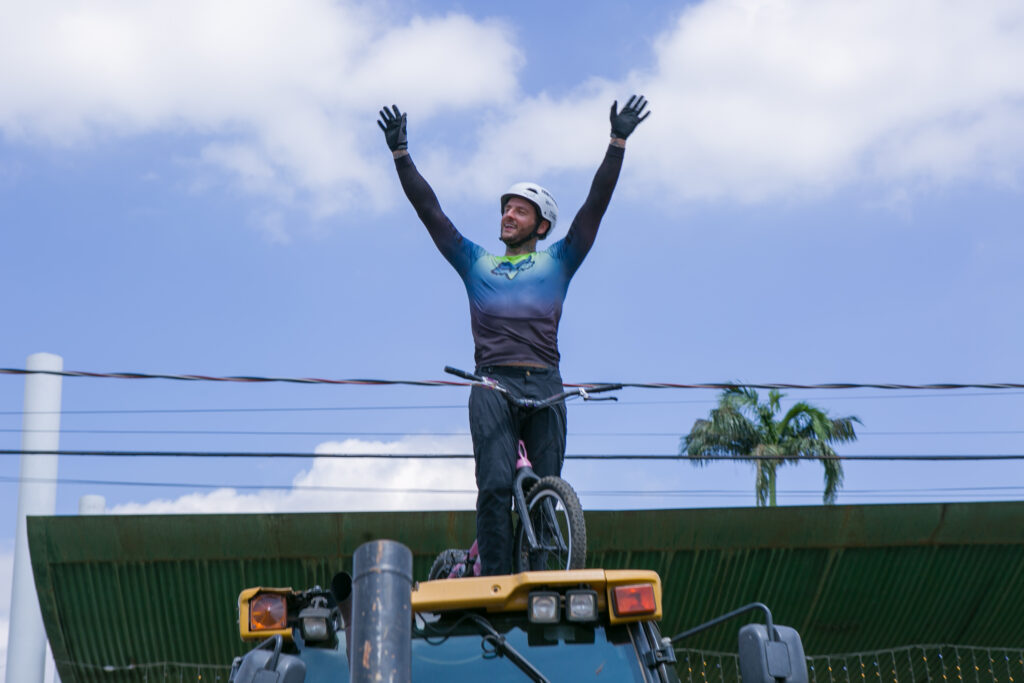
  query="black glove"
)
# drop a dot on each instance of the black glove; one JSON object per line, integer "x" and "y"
{"x": 625, "y": 121}
{"x": 393, "y": 125}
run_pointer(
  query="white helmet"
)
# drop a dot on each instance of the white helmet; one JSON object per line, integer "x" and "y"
{"x": 539, "y": 197}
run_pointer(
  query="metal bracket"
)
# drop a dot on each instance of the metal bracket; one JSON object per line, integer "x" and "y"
{"x": 664, "y": 654}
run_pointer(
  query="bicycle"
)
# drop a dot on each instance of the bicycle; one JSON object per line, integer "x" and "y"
{"x": 550, "y": 532}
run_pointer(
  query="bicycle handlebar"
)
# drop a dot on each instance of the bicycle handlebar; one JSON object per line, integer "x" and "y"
{"x": 583, "y": 392}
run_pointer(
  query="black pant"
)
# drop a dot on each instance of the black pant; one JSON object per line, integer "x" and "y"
{"x": 496, "y": 427}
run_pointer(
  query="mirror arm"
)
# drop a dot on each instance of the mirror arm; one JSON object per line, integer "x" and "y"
{"x": 726, "y": 617}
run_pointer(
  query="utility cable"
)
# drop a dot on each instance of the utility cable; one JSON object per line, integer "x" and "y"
{"x": 462, "y": 406}
{"x": 437, "y": 382}
{"x": 640, "y": 493}
{"x": 467, "y": 456}
{"x": 237, "y": 378}
{"x": 159, "y": 411}
{"x": 347, "y": 434}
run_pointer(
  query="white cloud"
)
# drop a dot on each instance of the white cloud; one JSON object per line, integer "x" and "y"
{"x": 756, "y": 99}
{"x": 751, "y": 99}
{"x": 349, "y": 484}
{"x": 287, "y": 90}
{"x": 540, "y": 135}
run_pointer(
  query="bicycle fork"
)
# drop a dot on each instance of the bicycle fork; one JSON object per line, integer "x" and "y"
{"x": 524, "y": 477}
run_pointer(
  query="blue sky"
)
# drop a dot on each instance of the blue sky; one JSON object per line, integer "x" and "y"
{"x": 825, "y": 191}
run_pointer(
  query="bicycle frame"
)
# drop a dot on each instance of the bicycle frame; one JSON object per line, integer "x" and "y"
{"x": 524, "y": 475}
{"x": 526, "y": 478}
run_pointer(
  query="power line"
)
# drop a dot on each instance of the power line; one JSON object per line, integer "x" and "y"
{"x": 467, "y": 456}
{"x": 188, "y": 411}
{"x": 341, "y": 434}
{"x": 248, "y": 379}
{"x": 226, "y": 432}
{"x": 237, "y": 378}
{"x": 462, "y": 406}
{"x": 601, "y": 493}
{"x": 185, "y": 484}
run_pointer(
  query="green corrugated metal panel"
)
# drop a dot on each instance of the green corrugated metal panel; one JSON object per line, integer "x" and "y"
{"x": 127, "y": 591}
{"x": 138, "y": 591}
{"x": 931, "y": 663}
{"x": 852, "y": 578}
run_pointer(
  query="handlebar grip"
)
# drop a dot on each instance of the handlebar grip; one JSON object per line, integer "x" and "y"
{"x": 604, "y": 387}
{"x": 463, "y": 374}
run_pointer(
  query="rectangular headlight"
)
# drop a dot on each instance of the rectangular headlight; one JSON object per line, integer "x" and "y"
{"x": 581, "y": 605}
{"x": 544, "y": 607}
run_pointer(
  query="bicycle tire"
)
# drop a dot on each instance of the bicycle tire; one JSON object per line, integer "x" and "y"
{"x": 445, "y": 562}
{"x": 554, "y": 494}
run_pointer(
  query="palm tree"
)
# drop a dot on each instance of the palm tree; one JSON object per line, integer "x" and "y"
{"x": 742, "y": 426}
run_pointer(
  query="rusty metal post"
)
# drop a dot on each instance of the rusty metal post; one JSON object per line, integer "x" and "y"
{"x": 381, "y": 613}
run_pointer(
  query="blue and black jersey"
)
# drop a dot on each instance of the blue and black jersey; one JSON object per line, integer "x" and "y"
{"x": 515, "y": 302}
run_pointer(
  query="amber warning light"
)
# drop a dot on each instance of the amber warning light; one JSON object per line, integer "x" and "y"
{"x": 268, "y": 612}
{"x": 633, "y": 599}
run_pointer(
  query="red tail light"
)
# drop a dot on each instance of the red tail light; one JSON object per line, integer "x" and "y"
{"x": 633, "y": 599}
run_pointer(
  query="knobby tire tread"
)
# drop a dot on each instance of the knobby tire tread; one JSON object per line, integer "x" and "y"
{"x": 574, "y": 514}
{"x": 444, "y": 562}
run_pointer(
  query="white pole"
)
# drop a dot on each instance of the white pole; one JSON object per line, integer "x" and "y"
{"x": 37, "y": 495}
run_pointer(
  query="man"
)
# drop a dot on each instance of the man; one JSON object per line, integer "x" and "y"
{"x": 515, "y": 303}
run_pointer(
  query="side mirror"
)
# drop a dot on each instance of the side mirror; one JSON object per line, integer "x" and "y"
{"x": 764, "y": 659}
{"x": 266, "y": 664}
{"x": 768, "y": 653}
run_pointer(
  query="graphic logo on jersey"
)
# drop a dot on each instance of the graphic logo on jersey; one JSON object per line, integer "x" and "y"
{"x": 510, "y": 270}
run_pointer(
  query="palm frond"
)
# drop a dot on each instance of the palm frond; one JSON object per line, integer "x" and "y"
{"x": 728, "y": 432}
{"x": 842, "y": 429}
{"x": 833, "y": 478}
{"x": 740, "y": 399}
{"x": 742, "y": 425}
{"x": 762, "y": 483}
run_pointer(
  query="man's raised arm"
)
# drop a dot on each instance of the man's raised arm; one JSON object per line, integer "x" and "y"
{"x": 584, "y": 226}
{"x": 417, "y": 190}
